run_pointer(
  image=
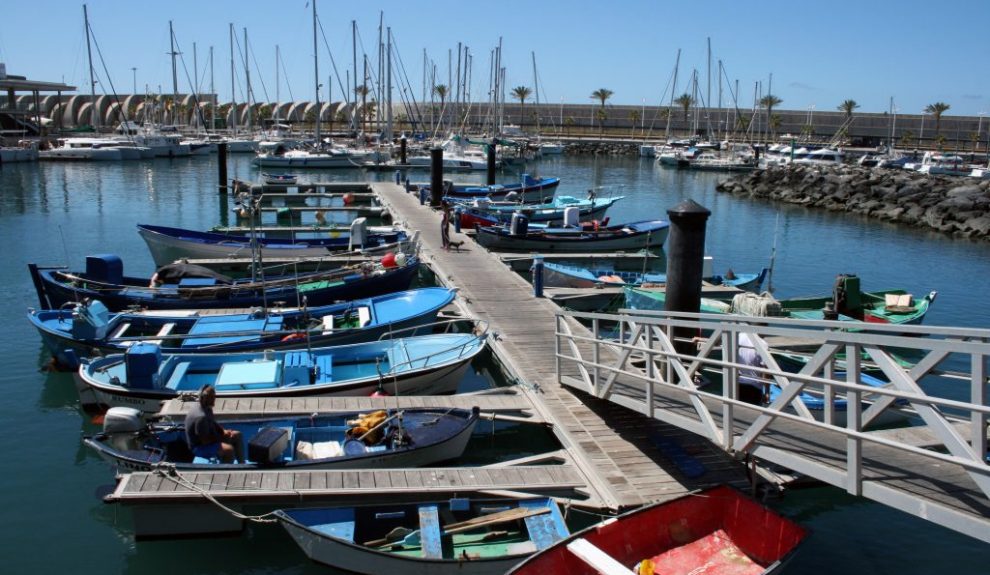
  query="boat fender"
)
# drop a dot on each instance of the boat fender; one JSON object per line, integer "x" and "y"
{"x": 297, "y": 336}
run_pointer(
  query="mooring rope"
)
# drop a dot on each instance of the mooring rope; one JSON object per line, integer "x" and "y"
{"x": 169, "y": 472}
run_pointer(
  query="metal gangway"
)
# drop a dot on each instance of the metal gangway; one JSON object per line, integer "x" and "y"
{"x": 822, "y": 421}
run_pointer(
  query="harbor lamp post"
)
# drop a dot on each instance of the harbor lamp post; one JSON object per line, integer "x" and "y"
{"x": 979, "y": 130}
{"x": 134, "y": 77}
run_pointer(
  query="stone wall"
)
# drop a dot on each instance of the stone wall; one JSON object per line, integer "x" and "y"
{"x": 956, "y": 206}
{"x": 602, "y": 148}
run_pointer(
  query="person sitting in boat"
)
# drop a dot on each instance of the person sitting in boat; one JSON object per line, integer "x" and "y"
{"x": 206, "y": 437}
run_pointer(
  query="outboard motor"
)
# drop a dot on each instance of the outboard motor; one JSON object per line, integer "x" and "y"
{"x": 122, "y": 425}
{"x": 90, "y": 320}
{"x": 519, "y": 225}
{"x": 142, "y": 361}
{"x": 572, "y": 217}
{"x": 359, "y": 233}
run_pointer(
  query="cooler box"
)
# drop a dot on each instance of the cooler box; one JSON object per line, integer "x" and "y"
{"x": 142, "y": 361}
{"x": 268, "y": 445}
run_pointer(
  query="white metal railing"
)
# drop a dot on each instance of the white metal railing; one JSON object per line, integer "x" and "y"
{"x": 937, "y": 376}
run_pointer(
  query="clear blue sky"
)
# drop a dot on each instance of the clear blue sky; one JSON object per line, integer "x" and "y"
{"x": 818, "y": 53}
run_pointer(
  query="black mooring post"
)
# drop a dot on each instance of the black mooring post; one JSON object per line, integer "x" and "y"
{"x": 685, "y": 261}
{"x": 222, "y": 183}
{"x": 436, "y": 176}
{"x": 222, "y": 167}
{"x": 402, "y": 151}
{"x": 490, "y": 175}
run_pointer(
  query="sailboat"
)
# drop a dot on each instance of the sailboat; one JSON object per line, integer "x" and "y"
{"x": 320, "y": 155}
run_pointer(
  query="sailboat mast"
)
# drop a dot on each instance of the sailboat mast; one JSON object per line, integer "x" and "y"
{"x": 175, "y": 73}
{"x": 277, "y": 94}
{"x": 354, "y": 91}
{"x": 536, "y": 89}
{"x": 233, "y": 84}
{"x": 213, "y": 96}
{"x": 316, "y": 75}
{"x": 388, "y": 83}
{"x": 247, "y": 84}
{"x": 95, "y": 118}
{"x": 673, "y": 91}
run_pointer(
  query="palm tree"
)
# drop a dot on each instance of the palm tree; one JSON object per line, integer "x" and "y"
{"x": 684, "y": 101}
{"x": 362, "y": 93}
{"x": 634, "y": 117}
{"x": 768, "y": 102}
{"x": 848, "y": 106}
{"x": 440, "y": 91}
{"x": 602, "y": 95}
{"x": 521, "y": 93}
{"x": 937, "y": 109}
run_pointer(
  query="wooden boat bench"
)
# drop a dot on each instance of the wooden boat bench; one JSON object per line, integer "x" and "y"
{"x": 429, "y": 532}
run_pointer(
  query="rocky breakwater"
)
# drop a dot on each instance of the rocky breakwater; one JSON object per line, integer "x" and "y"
{"x": 959, "y": 206}
{"x": 602, "y": 148}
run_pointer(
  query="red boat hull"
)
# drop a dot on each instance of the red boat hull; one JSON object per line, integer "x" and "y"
{"x": 718, "y": 531}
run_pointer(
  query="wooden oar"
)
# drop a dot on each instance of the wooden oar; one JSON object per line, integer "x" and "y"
{"x": 401, "y": 536}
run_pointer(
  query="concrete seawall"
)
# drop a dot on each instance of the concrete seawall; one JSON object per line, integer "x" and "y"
{"x": 957, "y": 206}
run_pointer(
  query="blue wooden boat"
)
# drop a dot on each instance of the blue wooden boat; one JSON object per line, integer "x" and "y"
{"x": 104, "y": 280}
{"x": 398, "y": 438}
{"x": 483, "y": 537}
{"x": 815, "y": 402}
{"x": 562, "y": 275}
{"x": 88, "y": 328}
{"x": 649, "y": 234}
{"x": 529, "y": 189}
{"x": 485, "y": 213}
{"x": 170, "y": 244}
{"x": 142, "y": 377}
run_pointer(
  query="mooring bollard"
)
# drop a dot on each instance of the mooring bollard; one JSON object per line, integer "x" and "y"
{"x": 436, "y": 176}
{"x": 537, "y": 271}
{"x": 685, "y": 260}
{"x": 422, "y": 196}
{"x": 406, "y": 184}
{"x": 457, "y": 219}
{"x": 398, "y": 177}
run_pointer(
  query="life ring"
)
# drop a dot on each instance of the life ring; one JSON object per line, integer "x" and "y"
{"x": 297, "y": 336}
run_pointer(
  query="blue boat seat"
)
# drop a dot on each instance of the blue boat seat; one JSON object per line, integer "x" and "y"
{"x": 175, "y": 379}
{"x": 324, "y": 368}
{"x": 429, "y": 532}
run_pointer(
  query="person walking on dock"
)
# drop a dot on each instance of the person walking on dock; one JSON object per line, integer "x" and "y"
{"x": 445, "y": 226}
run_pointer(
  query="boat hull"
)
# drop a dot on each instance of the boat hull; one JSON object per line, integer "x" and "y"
{"x": 499, "y": 239}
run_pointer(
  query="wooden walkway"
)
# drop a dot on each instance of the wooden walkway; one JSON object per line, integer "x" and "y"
{"x": 514, "y": 403}
{"x": 273, "y": 486}
{"x": 624, "y": 457}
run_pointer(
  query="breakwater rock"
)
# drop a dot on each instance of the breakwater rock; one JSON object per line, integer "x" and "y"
{"x": 602, "y": 148}
{"x": 959, "y": 206}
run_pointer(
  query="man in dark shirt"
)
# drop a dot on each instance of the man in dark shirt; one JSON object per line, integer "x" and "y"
{"x": 206, "y": 437}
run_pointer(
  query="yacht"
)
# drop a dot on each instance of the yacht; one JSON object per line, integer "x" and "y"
{"x": 820, "y": 157}
{"x": 82, "y": 149}
{"x": 24, "y": 151}
{"x": 334, "y": 157}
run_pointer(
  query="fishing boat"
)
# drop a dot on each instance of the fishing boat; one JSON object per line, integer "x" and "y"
{"x": 518, "y": 237}
{"x": 279, "y": 179}
{"x": 481, "y": 537}
{"x": 169, "y": 244}
{"x": 816, "y": 403}
{"x": 563, "y": 275}
{"x": 529, "y": 189}
{"x": 348, "y": 440}
{"x": 201, "y": 288}
{"x": 847, "y": 303}
{"x": 325, "y": 157}
{"x": 87, "y": 328}
{"x": 482, "y": 211}
{"x": 142, "y": 377}
{"x": 716, "y": 531}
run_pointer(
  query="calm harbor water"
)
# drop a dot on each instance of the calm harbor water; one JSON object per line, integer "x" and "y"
{"x": 58, "y": 213}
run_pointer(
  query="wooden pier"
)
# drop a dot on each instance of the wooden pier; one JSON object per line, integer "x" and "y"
{"x": 622, "y": 455}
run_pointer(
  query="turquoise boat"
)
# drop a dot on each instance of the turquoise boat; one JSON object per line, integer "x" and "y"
{"x": 142, "y": 377}
{"x": 481, "y": 537}
{"x": 87, "y": 328}
{"x": 563, "y": 275}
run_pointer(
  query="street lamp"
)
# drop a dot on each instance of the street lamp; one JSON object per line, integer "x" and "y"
{"x": 979, "y": 130}
{"x": 134, "y": 77}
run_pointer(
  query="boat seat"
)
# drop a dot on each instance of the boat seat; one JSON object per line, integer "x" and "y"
{"x": 121, "y": 330}
{"x": 542, "y": 531}
{"x": 324, "y": 367}
{"x": 598, "y": 560}
{"x": 175, "y": 379}
{"x": 165, "y": 330}
{"x": 429, "y": 532}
